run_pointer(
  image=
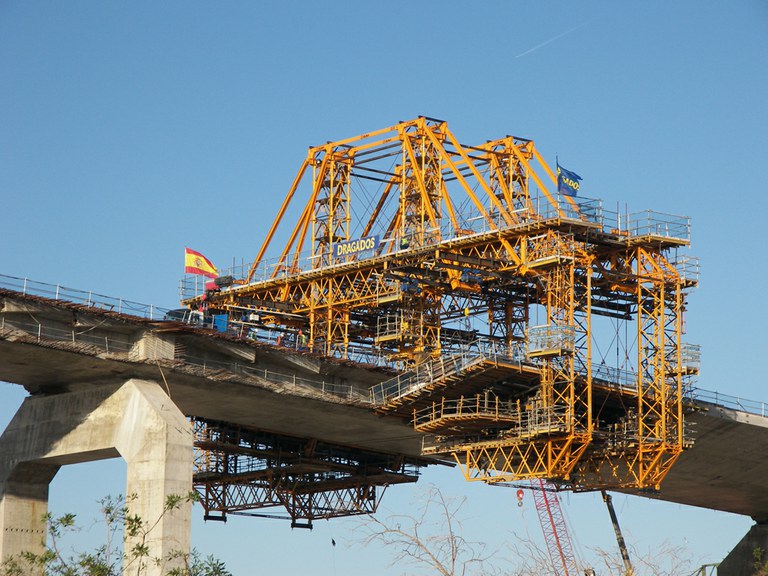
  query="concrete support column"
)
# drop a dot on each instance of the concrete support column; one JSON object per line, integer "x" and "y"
{"x": 136, "y": 421}
{"x": 23, "y": 503}
{"x": 741, "y": 560}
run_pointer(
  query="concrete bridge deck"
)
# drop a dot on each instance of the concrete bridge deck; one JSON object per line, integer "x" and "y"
{"x": 53, "y": 347}
{"x": 299, "y": 394}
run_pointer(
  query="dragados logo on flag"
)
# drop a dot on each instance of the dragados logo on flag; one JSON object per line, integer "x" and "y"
{"x": 196, "y": 263}
{"x": 567, "y": 181}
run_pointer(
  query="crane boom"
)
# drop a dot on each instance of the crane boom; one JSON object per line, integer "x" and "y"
{"x": 628, "y": 570}
{"x": 556, "y": 535}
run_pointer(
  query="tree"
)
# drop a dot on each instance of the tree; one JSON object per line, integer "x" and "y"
{"x": 430, "y": 538}
{"x": 760, "y": 563}
{"x": 666, "y": 558}
{"x": 530, "y": 559}
{"x": 111, "y": 558}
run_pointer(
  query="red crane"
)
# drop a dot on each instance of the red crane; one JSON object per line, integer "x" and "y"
{"x": 554, "y": 528}
{"x": 556, "y": 534}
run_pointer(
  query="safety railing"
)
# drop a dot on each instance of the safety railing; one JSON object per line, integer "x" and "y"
{"x": 192, "y": 286}
{"x": 581, "y": 209}
{"x": 389, "y": 326}
{"x": 367, "y": 355}
{"x": 544, "y": 247}
{"x": 290, "y": 340}
{"x": 497, "y": 351}
{"x": 292, "y": 381}
{"x": 727, "y": 401}
{"x": 470, "y": 222}
{"x": 88, "y": 298}
{"x": 487, "y": 406}
{"x": 647, "y": 223}
{"x": 527, "y": 422}
{"x": 41, "y": 331}
{"x": 690, "y": 357}
{"x": 383, "y": 392}
{"x": 614, "y": 377}
{"x": 658, "y": 224}
{"x": 415, "y": 379}
{"x": 538, "y": 420}
{"x": 335, "y": 389}
{"x": 687, "y": 267}
{"x": 438, "y": 370}
{"x": 547, "y": 340}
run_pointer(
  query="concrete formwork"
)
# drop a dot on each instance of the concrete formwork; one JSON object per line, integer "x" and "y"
{"x": 135, "y": 420}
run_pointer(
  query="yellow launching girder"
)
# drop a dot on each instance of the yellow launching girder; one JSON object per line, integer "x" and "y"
{"x": 462, "y": 266}
{"x": 423, "y": 153}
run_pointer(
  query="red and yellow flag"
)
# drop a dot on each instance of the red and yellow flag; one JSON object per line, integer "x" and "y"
{"x": 196, "y": 263}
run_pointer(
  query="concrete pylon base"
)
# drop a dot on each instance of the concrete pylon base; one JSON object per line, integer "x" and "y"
{"x": 137, "y": 421}
{"x": 741, "y": 560}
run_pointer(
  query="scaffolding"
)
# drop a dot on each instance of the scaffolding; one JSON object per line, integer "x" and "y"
{"x": 245, "y": 471}
{"x": 463, "y": 267}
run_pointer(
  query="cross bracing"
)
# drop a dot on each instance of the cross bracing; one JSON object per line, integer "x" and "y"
{"x": 423, "y": 252}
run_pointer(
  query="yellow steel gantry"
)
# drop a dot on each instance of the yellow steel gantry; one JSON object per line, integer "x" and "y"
{"x": 498, "y": 298}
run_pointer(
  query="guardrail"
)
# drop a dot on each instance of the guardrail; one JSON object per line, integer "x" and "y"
{"x": 46, "y": 331}
{"x": 479, "y": 405}
{"x": 687, "y": 267}
{"x": 334, "y": 389}
{"x": 538, "y": 421}
{"x": 650, "y": 223}
{"x": 43, "y": 331}
{"x": 647, "y": 223}
{"x": 88, "y": 298}
{"x": 422, "y": 375}
{"x": 471, "y": 222}
{"x": 442, "y": 368}
{"x": 547, "y": 338}
{"x": 620, "y": 377}
{"x": 727, "y": 401}
{"x": 481, "y": 349}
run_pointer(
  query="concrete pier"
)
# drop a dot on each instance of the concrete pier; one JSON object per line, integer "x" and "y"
{"x": 136, "y": 420}
{"x": 752, "y": 549}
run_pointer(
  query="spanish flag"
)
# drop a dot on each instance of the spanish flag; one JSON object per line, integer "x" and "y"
{"x": 196, "y": 263}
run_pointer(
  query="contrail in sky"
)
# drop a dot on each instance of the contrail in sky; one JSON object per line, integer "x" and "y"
{"x": 555, "y": 38}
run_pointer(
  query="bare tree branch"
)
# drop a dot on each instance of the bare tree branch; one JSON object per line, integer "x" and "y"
{"x": 431, "y": 537}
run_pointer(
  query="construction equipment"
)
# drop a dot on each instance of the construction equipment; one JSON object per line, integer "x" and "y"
{"x": 554, "y": 528}
{"x": 628, "y": 570}
{"x": 239, "y": 470}
{"x": 500, "y": 300}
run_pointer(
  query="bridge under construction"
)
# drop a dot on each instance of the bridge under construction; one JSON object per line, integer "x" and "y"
{"x": 274, "y": 428}
{"x": 536, "y": 334}
{"x": 435, "y": 303}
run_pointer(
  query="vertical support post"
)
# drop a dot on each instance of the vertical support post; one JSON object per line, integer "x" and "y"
{"x": 136, "y": 421}
{"x": 23, "y": 506}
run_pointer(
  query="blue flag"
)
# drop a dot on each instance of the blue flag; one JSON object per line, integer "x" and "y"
{"x": 567, "y": 181}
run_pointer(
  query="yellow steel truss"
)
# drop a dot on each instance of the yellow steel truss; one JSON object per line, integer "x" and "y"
{"x": 412, "y": 248}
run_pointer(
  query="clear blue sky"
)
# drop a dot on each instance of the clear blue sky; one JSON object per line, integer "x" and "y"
{"x": 129, "y": 130}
